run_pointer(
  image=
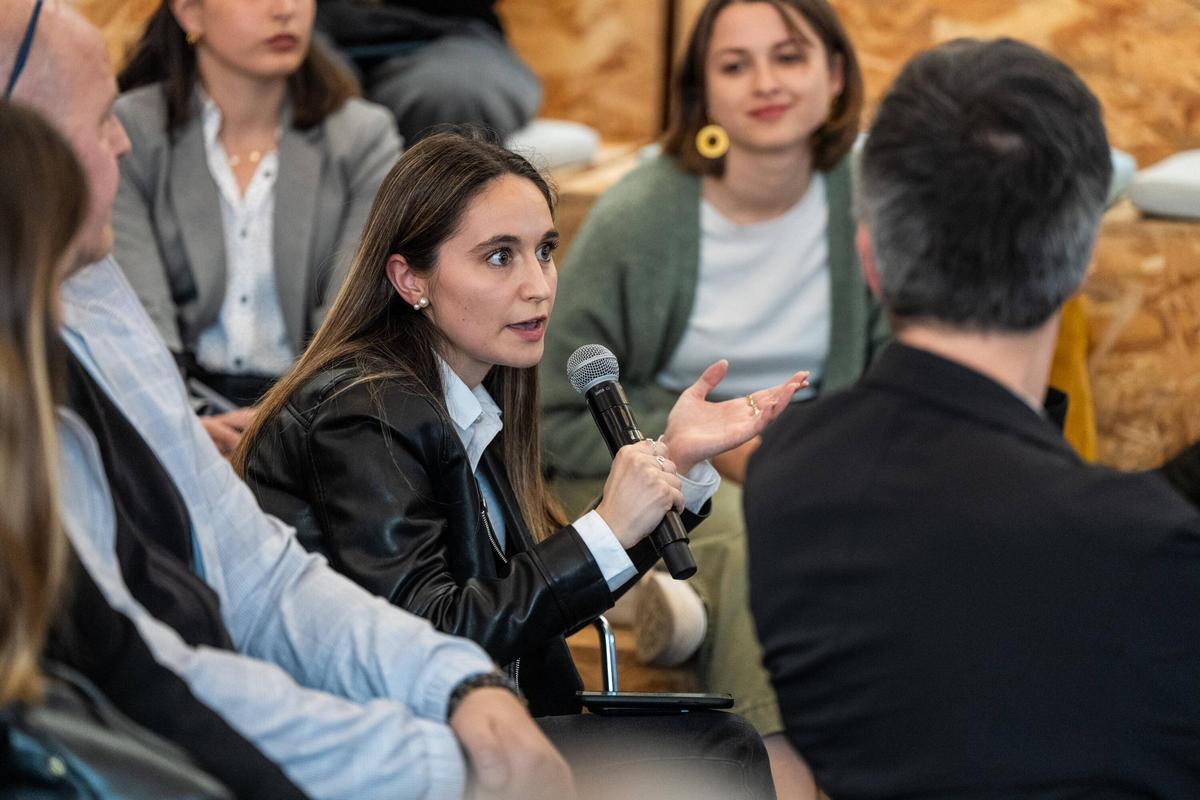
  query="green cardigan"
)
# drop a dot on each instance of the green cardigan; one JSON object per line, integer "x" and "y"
{"x": 629, "y": 284}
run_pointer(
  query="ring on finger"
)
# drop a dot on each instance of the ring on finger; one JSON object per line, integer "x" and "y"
{"x": 662, "y": 463}
{"x": 754, "y": 409}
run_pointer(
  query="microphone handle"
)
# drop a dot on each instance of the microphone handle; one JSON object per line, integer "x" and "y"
{"x": 614, "y": 418}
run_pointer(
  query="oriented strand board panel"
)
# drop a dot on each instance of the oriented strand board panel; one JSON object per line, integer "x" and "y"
{"x": 1143, "y": 300}
{"x": 601, "y": 62}
{"x": 1140, "y": 57}
{"x": 121, "y": 21}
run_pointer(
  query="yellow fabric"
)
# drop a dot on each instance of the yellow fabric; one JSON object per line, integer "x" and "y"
{"x": 1069, "y": 374}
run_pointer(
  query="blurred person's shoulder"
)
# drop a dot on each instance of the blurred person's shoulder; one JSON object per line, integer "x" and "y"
{"x": 357, "y": 124}
{"x": 143, "y": 113}
{"x": 653, "y": 205}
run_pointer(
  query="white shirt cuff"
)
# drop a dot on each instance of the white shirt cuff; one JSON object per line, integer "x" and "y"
{"x": 699, "y": 485}
{"x": 615, "y": 564}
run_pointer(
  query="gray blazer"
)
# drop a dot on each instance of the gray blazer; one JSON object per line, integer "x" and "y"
{"x": 167, "y": 217}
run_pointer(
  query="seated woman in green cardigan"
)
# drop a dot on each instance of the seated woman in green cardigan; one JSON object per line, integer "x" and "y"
{"x": 737, "y": 240}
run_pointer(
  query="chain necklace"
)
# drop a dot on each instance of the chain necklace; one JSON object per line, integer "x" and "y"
{"x": 254, "y": 156}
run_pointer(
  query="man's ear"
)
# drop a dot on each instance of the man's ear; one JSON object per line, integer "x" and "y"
{"x": 866, "y": 258}
{"x": 410, "y": 285}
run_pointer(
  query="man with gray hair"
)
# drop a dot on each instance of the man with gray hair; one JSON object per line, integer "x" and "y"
{"x": 951, "y": 603}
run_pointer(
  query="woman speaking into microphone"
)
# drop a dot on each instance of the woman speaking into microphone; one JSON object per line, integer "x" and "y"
{"x": 404, "y": 444}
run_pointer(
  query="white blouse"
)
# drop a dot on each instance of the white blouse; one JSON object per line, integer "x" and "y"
{"x": 249, "y": 335}
{"x": 762, "y": 300}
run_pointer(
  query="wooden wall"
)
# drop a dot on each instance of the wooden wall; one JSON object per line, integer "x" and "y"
{"x": 602, "y": 62}
{"x": 1143, "y": 307}
{"x": 120, "y": 20}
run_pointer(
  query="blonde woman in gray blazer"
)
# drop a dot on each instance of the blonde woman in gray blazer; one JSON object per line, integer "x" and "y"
{"x": 248, "y": 147}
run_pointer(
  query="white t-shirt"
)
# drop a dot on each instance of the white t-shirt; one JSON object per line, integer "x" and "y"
{"x": 762, "y": 300}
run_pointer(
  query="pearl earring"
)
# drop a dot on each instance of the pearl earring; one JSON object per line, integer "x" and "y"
{"x": 420, "y": 304}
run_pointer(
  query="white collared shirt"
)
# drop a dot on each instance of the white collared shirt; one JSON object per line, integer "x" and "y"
{"x": 476, "y": 419}
{"x": 249, "y": 335}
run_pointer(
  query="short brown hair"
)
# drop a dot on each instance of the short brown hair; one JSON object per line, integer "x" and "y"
{"x": 831, "y": 142}
{"x": 317, "y": 89}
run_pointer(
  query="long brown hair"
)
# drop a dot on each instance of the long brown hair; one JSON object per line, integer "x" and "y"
{"x": 689, "y": 113}
{"x": 418, "y": 207}
{"x": 317, "y": 89}
{"x": 41, "y": 210}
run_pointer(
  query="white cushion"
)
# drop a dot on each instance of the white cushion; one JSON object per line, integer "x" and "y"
{"x": 553, "y": 143}
{"x": 1124, "y": 166}
{"x": 1170, "y": 188}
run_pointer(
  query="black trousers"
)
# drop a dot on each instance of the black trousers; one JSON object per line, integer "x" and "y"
{"x": 700, "y": 755}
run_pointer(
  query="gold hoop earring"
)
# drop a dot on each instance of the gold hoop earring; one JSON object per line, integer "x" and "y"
{"x": 193, "y": 38}
{"x": 712, "y": 141}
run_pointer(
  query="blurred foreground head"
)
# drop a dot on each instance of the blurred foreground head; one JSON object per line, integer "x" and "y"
{"x": 68, "y": 78}
{"x": 42, "y": 209}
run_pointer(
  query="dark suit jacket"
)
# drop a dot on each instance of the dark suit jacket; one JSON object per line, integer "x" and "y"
{"x": 952, "y": 604}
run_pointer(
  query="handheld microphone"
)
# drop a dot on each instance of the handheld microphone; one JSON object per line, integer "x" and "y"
{"x": 593, "y": 372}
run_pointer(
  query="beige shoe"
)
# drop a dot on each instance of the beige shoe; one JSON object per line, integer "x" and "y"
{"x": 671, "y": 621}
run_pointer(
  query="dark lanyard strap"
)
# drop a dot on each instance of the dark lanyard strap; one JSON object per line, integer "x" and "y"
{"x": 23, "y": 53}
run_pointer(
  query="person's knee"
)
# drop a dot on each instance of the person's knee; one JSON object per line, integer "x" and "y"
{"x": 729, "y": 736}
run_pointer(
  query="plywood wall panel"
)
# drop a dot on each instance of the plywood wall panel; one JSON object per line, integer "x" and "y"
{"x": 121, "y": 21}
{"x": 1143, "y": 307}
{"x": 602, "y": 62}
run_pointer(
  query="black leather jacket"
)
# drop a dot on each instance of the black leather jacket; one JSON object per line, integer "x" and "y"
{"x": 375, "y": 477}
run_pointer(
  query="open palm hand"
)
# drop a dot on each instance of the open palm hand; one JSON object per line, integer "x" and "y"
{"x": 698, "y": 429}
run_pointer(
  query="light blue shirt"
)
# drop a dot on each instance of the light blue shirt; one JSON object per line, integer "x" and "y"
{"x": 344, "y": 691}
{"x": 476, "y": 419}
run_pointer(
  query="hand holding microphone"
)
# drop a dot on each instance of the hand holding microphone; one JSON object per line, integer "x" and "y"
{"x": 593, "y": 372}
{"x": 697, "y": 429}
{"x": 642, "y": 487}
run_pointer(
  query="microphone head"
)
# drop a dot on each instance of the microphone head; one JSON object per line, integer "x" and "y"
{"x": 590, "y": 365}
